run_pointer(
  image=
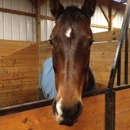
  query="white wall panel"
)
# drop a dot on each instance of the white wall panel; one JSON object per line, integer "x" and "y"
{"x": 8, "y": 4}
{"x": 1, "y": 25}
{"x": 7, "y": 25}
{"x": 98, "y": 18}
{"x": 22, "y": 5}
{"x": 15, "y": 4}
{"x": 44, "y": 9}
{"x": 1, "y": 3}
{"x": 50, "y": 25}
{"x": 118, "y": 20}
{"x": 23, "y": 28}
{"x": 29, "y": 28}
{"x": 44, "y": 30}
{"x": 17, "y": 27}
{"x": 34, "y": 30}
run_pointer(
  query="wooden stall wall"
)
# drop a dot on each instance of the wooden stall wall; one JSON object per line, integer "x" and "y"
{"x": 102, "y": 56}
{"x": 18, "y": 72}
{"x": 92, "y": 118}
{"x": 122, "y": 120}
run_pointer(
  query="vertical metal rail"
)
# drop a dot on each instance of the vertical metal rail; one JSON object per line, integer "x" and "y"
{"x": 110, "y": 96}
{"x": 110, "y": 111}
{"x": 126, "y": 55}
{"x": 122, "y": 33}
{"x": 119, "y": 70}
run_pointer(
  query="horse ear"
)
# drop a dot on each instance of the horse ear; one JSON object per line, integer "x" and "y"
{"x": 88, "y": 7}
{"x": 56, "y": 8}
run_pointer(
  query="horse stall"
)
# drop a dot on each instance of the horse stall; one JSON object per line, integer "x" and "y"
{"x": 38, "y": 115}
{"x": 107, "y": 108}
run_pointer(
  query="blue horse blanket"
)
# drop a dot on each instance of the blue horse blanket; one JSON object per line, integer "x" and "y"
{"x": 47, "y": 80}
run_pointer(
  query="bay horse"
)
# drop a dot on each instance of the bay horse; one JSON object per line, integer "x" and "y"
{"x": 71, "y": 40}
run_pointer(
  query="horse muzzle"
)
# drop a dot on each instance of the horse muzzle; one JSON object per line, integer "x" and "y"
{"x": 66, "y": 116}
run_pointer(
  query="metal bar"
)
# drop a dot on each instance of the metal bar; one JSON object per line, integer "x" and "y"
{"x": 119, "y": 70}
{"x": 94, "y": 93}
{"x": 122, "y": 32}
{"x": 107, "y": 114}
{"x": 24, "y": 107}
{"x": 126, "y": 55}
{"x": 113, "y": 110}
{"x": 110, "y": 111}
{"x": 122, "y": 87}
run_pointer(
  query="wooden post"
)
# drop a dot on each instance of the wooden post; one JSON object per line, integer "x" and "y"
{"x": 110, "y": 17}
{"x": 38, "y": 31}
{"x": 38, "y": 22}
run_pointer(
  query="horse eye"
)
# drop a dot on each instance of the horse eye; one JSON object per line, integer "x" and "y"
{"x": 51, "y": 42}
{"x": 90, "y": 42}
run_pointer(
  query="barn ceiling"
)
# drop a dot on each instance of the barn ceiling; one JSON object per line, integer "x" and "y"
{"x": 117, "y": 4}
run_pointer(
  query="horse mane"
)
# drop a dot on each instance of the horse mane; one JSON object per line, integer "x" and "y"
{"x": 72, "y": 14}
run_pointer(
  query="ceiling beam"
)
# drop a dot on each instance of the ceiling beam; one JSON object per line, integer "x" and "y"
{"x": 114, "y": 4}
{"x": 104, "y": 13}
{"x": 42, "y": 2}
{"x": 34, "y": 2}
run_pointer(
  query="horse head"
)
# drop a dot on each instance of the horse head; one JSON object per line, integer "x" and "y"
{"x": 71, "y": 39}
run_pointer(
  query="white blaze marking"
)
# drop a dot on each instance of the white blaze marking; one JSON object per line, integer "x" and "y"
{"x": 58, "y": 107}
{"x": 68, "y": 32}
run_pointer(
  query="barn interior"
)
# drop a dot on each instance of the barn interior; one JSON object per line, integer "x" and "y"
{"x": 25, "y": 27}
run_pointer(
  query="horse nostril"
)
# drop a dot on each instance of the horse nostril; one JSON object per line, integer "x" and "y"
{"x": 66, "y": 116}
{"x": 78, "y": 110}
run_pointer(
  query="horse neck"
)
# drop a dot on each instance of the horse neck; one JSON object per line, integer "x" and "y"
{"x": 88, "y": 82}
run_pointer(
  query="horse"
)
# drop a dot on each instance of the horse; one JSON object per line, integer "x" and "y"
{"x": 71, "y": 40}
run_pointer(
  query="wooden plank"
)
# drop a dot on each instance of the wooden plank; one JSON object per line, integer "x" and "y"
{"x": 18, "y": 75}
{"x": 15, "y": 42}
{"x": 24, "y": 81}
{"x": 22, "y": 69}
{"x": 107, "y": 46}
{"x": 123, "y": 120}
{"x": 15, "y": 49}
{"x": 47, "y": 17}
{"x": 26, "y": 62}
{"x": 9, "y": 99}
{"x": 8, "y": 88}
{"x": 17, "y": 12}
{"x": 45, "y": 51}
{"x": 123, "y": 111}
{"x": 106, "y": 66}
{"x": 122, "y": 96}
{"x": 43, "y": 118}
{"x": 107, "y": 36}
